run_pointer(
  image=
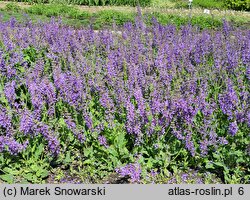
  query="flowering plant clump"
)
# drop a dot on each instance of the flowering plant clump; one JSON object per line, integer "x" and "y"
{"x": 88, "y": 102}
{"x": 131, "y": 170}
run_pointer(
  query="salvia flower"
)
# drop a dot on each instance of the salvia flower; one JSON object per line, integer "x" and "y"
{"x": 133, "y": 170}
{"x": 26, "y": 122}
{"x": 103, "y": 141}
{"x": 233, "y": 128}
{"x": 9, "y": 91}
{"x": 5, "y": 118}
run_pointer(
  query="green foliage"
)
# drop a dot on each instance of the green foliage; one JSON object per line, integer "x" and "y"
{"x": 202, "y": 21}
{"x": 230, "y": 163}
{"x": 99, "y": 19}
{"x": 238, "y": 4}
{"x": 32, "y": 166}
{"x": 108, "y": 17}
{"x": 13, "y": 7}
{"x": 54, "y": 10}
{"x": 94, "y": 2}
{"x": 210, "y": 4}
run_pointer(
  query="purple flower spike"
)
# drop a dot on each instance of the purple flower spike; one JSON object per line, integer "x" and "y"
{"x": 132, "y": 170}
{"x": 233, "y": 128}
{"x": 102, "y": 140}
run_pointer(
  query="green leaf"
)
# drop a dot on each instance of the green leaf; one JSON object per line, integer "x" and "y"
{"x": 114, "y": 160}
{"x": 9, "y": 170}
{"x": 9, "y": 178}
{"x": 149, "y": 163}
{"x": 34, "y": 167}
{"x": 113, "y": 151}
{"x": 88, "y": 151}
{"x": 29, "y": 176}
{"x": 219, "y": 164}
{"x": 68, "y": 158}
{"x": 61, "y": 122}
{"x": 209, "y": 165}
{"x": 216, "y": 155}
{"x": 124, "y": 151}
{"x": 44, "y": 173}
{"x": 24, "y": 182}
{"x": 3, "y": 99}
{"x": 88, "y": 161}
{"x": 150, "y": 118}
{"x": 39, "y": 151}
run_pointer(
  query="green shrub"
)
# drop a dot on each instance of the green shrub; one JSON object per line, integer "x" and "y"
{"x": 54, "y": 10}
{"x": 93, "y": 2}
{"x": 201, "y": 21}
{"x": 108, "y": 17}
{"x": 238, "y": 4}
{"x": 209, "y": 4}
{"x": 212, "y": 4}
{"x": 12, "y": 7}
